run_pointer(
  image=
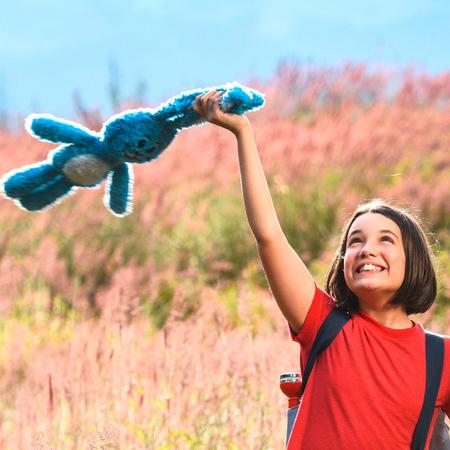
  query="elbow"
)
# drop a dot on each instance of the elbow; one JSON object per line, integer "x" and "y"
{"x": 267, "y": 238}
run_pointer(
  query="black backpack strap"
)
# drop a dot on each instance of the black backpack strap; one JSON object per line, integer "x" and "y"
{"x": 434, "y": 349}
{"x": 327, "y": 332}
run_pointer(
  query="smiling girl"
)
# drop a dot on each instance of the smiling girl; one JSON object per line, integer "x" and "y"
{"x": 366, "y": 389}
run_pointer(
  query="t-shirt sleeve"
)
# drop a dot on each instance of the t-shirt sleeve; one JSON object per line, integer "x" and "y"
{"x": 320, "y": 307}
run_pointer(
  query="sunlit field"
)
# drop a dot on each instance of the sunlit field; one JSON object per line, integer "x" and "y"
{"x": 158, "y": 331}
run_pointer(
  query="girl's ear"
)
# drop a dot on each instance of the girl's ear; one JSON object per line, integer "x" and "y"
{"x": 52, "y": 129}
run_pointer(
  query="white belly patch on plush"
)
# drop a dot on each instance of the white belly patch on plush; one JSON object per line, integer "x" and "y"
{"x": 86, "y": 169}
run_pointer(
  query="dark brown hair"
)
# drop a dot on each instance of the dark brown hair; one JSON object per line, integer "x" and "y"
{"x": 418, "y": 290}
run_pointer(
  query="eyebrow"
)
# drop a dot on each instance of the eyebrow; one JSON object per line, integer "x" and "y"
{"x": 381, "y": 231}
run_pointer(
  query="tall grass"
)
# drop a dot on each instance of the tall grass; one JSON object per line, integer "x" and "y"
{"x": 157, "y": 330}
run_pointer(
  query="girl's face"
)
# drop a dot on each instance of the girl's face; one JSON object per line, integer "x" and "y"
{"x": 374, "y": 260}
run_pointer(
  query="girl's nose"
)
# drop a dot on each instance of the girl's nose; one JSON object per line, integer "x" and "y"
{"x": 368, "y": 249}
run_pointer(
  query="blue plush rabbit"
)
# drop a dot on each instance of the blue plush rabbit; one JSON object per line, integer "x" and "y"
{"x": 86, "y": 158}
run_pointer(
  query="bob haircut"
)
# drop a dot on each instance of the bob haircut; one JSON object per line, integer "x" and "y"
{"x": 418, "y": 290}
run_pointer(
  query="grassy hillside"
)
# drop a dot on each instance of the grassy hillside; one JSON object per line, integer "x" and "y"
{"x": 157, "y": 330}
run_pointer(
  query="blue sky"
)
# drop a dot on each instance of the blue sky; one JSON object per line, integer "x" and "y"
{"x": 51, "y": 48}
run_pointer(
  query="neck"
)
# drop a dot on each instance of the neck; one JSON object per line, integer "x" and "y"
{"x": 389, "y": 316}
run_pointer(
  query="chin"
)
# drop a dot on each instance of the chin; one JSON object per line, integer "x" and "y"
{"x": 365, "y": 286}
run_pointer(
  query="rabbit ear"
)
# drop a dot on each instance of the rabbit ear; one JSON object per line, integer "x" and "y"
{"x": 52, "y": 129}
{"x": 184, "y": 119}
{"x": 179, "y": 111}
{"x": 239, "y": 99}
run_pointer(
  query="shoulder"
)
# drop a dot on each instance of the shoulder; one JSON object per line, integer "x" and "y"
{"x": 322, "y": 304}
{"x": 446, "y": 375}
{"x": 445, "y": 380}
{"x": 446, "y": 353}
{"x": 444, "y": 337}
{"x": 446, "y": 348}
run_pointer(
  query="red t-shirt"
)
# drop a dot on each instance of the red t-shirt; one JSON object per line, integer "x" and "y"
{"x": 366, "y": 389}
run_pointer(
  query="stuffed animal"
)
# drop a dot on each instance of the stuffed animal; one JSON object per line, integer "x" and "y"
{"x": 86, "y": 157}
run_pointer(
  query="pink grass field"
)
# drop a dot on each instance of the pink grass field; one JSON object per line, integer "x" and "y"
{"x": 158, "y": 331}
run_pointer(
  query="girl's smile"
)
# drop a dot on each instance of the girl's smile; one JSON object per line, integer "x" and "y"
{"x": 374, "y": 260}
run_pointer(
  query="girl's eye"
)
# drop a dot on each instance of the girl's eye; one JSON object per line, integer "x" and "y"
{"x": 387, "y": 238}
{"x": 353, "y": 241}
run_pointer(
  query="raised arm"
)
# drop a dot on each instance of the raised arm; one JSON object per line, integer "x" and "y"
{"x": 290, "y": 281}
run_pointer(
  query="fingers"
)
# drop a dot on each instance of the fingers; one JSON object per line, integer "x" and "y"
{"x": 207, "y": 104}
{"x": 202, "y": 103}
{"x": 213, "y": 103}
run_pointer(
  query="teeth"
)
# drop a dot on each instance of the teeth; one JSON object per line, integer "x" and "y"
{"x": 369, "y": 267}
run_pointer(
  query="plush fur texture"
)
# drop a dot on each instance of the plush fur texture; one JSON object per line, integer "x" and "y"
{"x": 87, "y": 158}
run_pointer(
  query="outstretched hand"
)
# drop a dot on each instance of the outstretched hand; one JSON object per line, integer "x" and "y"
{"x": 207, "y": 106}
